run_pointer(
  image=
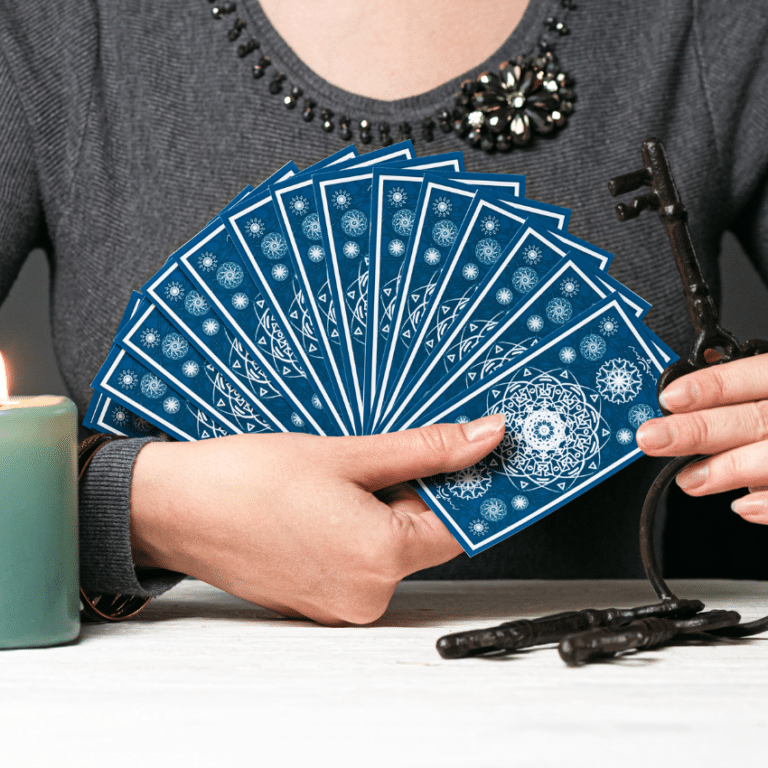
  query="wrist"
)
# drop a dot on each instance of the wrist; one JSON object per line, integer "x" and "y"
{"x": 155, "y": 539}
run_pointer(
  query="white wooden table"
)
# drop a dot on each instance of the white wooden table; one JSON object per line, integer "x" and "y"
{"x": 201, "y": 678}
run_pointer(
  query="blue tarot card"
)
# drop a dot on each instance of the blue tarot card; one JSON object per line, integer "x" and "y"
{"x": 394, "y": 195}
{"x": 107, "y": 415}
{"x": 504, "y": 184}
{"x": 225, "y": 278}
{"x": 217, "y": 375}
{"x": 451, "y": 161}
{"x": 569, "y": 425}
{"x": 487, "y": 228}
{"x": 552, "y": 216}
{"x": 138, "y": 397}
{"x": 484, "y": 345}
{"x": 343, "y": 199}
{"x": 300, "y": 222}
{"x": 483, "y": 308}
{"x": 441, "y": 209}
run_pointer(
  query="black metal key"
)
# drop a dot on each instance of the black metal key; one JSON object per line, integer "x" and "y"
{"x": 526, "y": 633}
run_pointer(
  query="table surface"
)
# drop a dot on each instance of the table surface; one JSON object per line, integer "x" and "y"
{"x": 204, "y": 678}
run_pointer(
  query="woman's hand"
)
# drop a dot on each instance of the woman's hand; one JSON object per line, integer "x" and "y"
{"x": 720, "y": 410}
{"x": 322, "y": 527}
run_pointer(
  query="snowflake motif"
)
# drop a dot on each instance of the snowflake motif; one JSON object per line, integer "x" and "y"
{"x": 195, "y": 304}
{"x": 535, "y": 323}
{"x": 207, "y": 262}
{"x": 478, "y": 528}
{"x": 624, "y": 436}
{"x": 593, "y": 347}
{"x": 211, "y": 327}
{"x": 230, "y": 275}
{"x": 487, "y": 251}
{"x": 490, "y": 225}
{"x": 493, "y": 510}
{"x": 190, "y": 369}
{"x": 532, "y": 254}
{"x": 396, "y": 248}
{"x": 470, "y": 271}
{"x": 462, "y": 420}
{"x": 444, "y": 233}
{"x": 175, "y": 346}
{"x": 341, "y": 199}
{"x": 152, "y": 387}
{"x": 141, "y": 424}
{"x": 402, "y": 222}
{"x": 397, "y": 196}
{"x": 350, "y": 249}
{"x": 553, "y": 430}
{"x": 273, "y": 246}
{"x": 432, "y": 257}
{"x": 469, "y": 483}
{"x": 608, "y": 326}
{"x": 567, "y": 355}
{"x": 119, "y": 415}
{"x": 354, "y": 223}
{"x": 316, "y": 403}
{"x": 171, "y": 405}
{"x": 127, "y": 379}
{"x": 280, "y": 272}
{"x": 316, "y": 253}
{"x": 296, "y": 420}
{"x": 240, "y": 301}
{"x": 639, "y": 414}
{"x": 618, "y": 381}
{"x": 255, "y": 228}
{"x": 442, "y": 206}
{"x": 524, "y": 279}
{"x": 174, "y": 291}
{"x": 569, "y": 287}
{"x": 520, "y": 503}
{"x": 150, "y": 337}
{"x": 299, "y": 205}
{"x": 504, "y": 296}
{"x": 311, "y": 227}
{"x": 559, "y": 311}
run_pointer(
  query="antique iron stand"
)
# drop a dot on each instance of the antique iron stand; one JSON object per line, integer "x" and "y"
{"x": 591, "y": 635}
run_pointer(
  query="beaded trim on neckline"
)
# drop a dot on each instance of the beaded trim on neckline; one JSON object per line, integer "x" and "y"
{"x": 493, "y": 112}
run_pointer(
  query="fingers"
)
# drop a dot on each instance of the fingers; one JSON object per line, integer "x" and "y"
{"x": 753, "y": 508}
{"x": 378, "y": 461}
{"x": 743, "y": 467}
{"x": 706, "y": 431}
{"x": 740, "y": 381}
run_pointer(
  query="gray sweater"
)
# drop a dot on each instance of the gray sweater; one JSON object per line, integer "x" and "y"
{"x": 125, "y": 124}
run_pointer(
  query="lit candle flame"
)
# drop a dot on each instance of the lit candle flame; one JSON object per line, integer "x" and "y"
{"x": 3, "y": 384}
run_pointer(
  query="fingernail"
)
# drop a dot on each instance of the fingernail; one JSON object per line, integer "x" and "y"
{"x": 655, "y": 434}
{"x": 677, "y": 395}
{"x": 693, "y": 477}
{"x": 482, "y": 429}
{"x": 748, "y": 506}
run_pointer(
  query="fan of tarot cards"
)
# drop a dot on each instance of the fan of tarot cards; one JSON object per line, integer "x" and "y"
{"x": 381, "y": 292}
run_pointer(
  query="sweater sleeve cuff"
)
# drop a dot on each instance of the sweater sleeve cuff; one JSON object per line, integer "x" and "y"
{"x": 106, "y": 563}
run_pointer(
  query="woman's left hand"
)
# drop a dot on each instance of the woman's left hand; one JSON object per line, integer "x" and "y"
{"x": 721, "y": 410}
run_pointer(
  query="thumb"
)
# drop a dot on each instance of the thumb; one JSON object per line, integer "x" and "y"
{"x": 378, "y": 461}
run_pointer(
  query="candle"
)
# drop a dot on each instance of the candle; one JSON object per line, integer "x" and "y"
{"x": 39, "y": 579}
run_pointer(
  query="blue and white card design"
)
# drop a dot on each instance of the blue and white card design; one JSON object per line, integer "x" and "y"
{"x": 572, "y": 406}
{"x": 480, "y": 347}
{"x": 138, "y": 397}
{"x": 394, "y": 197}
{"x": 383, "y": 292}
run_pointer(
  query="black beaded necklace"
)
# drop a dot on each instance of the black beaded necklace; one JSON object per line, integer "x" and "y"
{"x": 494, "y": 112}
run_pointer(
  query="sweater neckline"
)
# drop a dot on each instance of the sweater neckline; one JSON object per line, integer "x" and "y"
{"x": 521, "y": 40}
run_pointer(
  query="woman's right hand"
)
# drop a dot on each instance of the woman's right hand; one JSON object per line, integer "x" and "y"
{"x": 322, "y": 527}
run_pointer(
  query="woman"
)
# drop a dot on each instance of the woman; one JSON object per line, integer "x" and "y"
{"x": 124, "y": 126}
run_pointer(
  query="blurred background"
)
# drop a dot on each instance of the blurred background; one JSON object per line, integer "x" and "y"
{"x": 703, "y": 537}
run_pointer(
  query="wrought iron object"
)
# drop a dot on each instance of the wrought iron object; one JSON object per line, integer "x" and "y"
{"x": 590, "y": 635}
